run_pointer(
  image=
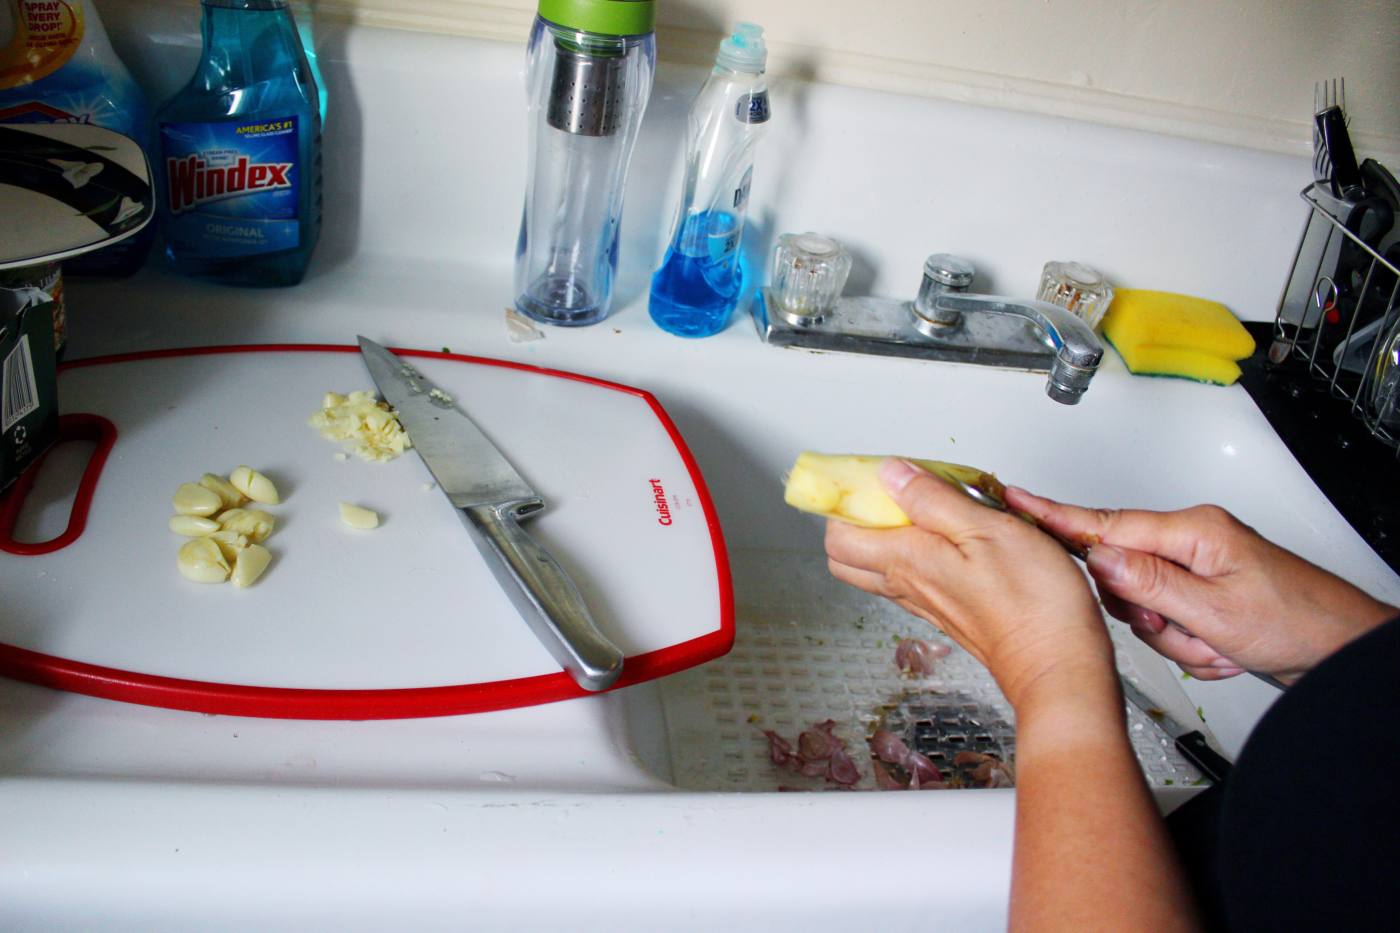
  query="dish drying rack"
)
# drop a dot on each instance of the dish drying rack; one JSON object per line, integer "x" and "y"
{"x": 1299, "y": 336}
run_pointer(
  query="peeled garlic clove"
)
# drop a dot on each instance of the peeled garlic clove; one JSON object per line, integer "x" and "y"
{"x": 254, "y": 485}
{"x": 192, "y": 526}
{"x": 194, "y": 499}
{"x": 254, "y": 523}
{"x": 358, "y": 517}
{"x": 201, "y": 561}
{"x": 251, "y": 563}
{"x": 229, "y": 543}
{"x": 230, "y": 497}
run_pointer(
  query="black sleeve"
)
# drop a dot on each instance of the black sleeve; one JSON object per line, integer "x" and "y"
{"x": 1305, "y": 832}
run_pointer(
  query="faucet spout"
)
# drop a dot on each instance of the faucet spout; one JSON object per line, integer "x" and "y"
{"x": 1077, "y": 351}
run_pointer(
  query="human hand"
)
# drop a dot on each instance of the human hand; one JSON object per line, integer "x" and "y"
{"x": 1240, "y": 601}
{"x": 1005, "y": 591}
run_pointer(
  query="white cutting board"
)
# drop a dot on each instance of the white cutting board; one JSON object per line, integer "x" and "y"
{"x": 402, "y": 620}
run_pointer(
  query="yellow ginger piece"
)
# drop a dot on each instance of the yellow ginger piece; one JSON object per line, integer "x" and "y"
{"x": 847, "y": 487}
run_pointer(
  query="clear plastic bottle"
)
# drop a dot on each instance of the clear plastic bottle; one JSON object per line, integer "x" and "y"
{"x": 589, "y": 74}
{"x": 238, "y": 151}
{"x": 701, "y": 277}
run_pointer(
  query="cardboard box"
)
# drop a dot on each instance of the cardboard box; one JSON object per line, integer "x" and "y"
{"x": 28, "y": 381}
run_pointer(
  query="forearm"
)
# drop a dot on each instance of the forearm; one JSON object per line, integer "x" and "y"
{"x": 1091, "y": 851}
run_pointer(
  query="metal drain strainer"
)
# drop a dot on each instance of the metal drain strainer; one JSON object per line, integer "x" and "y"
{"x": 808, "y": 649}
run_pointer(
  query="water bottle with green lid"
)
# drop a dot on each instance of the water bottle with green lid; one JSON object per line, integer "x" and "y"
{"x": 589, "y": 73}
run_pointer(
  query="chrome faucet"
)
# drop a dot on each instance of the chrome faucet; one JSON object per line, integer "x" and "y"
{"x": 803, "y": 308}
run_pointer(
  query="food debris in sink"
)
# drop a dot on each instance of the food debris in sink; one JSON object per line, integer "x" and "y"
{"x": 807, "y": 650}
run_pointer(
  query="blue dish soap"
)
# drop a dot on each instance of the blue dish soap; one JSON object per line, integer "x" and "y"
{"x": 701, "y": 277}
{"x": 239, "y": 151}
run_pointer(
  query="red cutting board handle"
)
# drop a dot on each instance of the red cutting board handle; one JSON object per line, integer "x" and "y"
{"x": 75, "y": 427}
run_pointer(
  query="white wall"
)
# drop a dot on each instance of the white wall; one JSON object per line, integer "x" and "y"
{"x": 1232, "y": 71}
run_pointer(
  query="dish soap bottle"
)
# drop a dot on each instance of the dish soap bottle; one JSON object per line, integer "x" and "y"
{"x": 59, "y": 67}
{"x": 701, "y": 278}
{"x": 239, "y": 151}
{"x": 589, "y": 72}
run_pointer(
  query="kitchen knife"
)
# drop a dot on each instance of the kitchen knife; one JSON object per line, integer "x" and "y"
{"x": 491, "y": 498}
{"x": 1190, "y": 742}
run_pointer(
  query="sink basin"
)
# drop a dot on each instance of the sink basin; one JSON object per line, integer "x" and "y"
{"x": 667, "y": 782}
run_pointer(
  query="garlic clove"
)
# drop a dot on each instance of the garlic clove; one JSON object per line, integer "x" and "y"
{"x": 193, "y": 499}
{"x": 200, "y": 560}
{"x": 192, "y": 526}
{"x": 254, "y": 485}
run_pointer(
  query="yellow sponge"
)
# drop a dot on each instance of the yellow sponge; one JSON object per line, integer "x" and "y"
{"x": 1164, "y": 334}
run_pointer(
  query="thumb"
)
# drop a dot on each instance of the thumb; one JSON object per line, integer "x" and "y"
{"x": 931, "y": 502}
{"x": 1150, "y": 582}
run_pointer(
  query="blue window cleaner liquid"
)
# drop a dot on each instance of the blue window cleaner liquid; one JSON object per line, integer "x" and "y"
{"x": 59, "y": 67}
{"x": 701, "y": 278}
{"x": 239, "y": 151}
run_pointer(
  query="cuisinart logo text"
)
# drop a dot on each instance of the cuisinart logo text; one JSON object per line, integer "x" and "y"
{"x": 193, "y": 182}
{"x": 658, "y": 495}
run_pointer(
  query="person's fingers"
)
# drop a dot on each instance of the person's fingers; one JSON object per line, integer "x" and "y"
{"x": 1175, "y": 645}
{"x": 877, "y": 549}
{"x": 932, "y": 503}
{"x": 1131, "y": 613}
{"x": 1148, "y": 581}
{"x": 1173, "y": 535}
{"x": 867, "y": 580}
{"x": 1212, "y": 673}
{"x": 877, "y": 585}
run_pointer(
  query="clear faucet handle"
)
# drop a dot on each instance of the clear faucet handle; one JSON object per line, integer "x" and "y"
{"x": 1078, "y": 288}
{"x": 809, "y": 272}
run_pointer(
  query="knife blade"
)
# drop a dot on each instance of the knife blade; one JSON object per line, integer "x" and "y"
{"x": 491, "y": 498}
{"x": 1190, "y": 742}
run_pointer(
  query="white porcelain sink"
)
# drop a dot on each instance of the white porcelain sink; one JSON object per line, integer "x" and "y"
{"x": 389, "y": 811}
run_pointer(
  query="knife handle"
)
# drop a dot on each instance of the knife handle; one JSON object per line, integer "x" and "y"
{"x": 543, "y": 593}
{"x": 1193, "y": 747}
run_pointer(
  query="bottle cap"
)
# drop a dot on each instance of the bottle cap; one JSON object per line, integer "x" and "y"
{"x": 604, "y": 17}
{"x": 744, "y": 51}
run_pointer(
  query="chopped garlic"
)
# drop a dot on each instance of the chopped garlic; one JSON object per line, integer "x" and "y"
{"x": 366, "y": 425}
{"x": 358, "y": 517}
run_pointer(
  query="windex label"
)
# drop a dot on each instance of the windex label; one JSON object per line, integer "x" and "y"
{"x": 193, "y": 182}
{"x": 231, "y": 188}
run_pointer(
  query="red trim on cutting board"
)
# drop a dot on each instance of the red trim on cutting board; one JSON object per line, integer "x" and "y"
{"x": 288, "y": 703}
{"x": 79, "y": 427}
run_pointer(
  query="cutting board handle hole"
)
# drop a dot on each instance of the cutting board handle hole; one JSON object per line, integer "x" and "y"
{"x": 62, "y": 481}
